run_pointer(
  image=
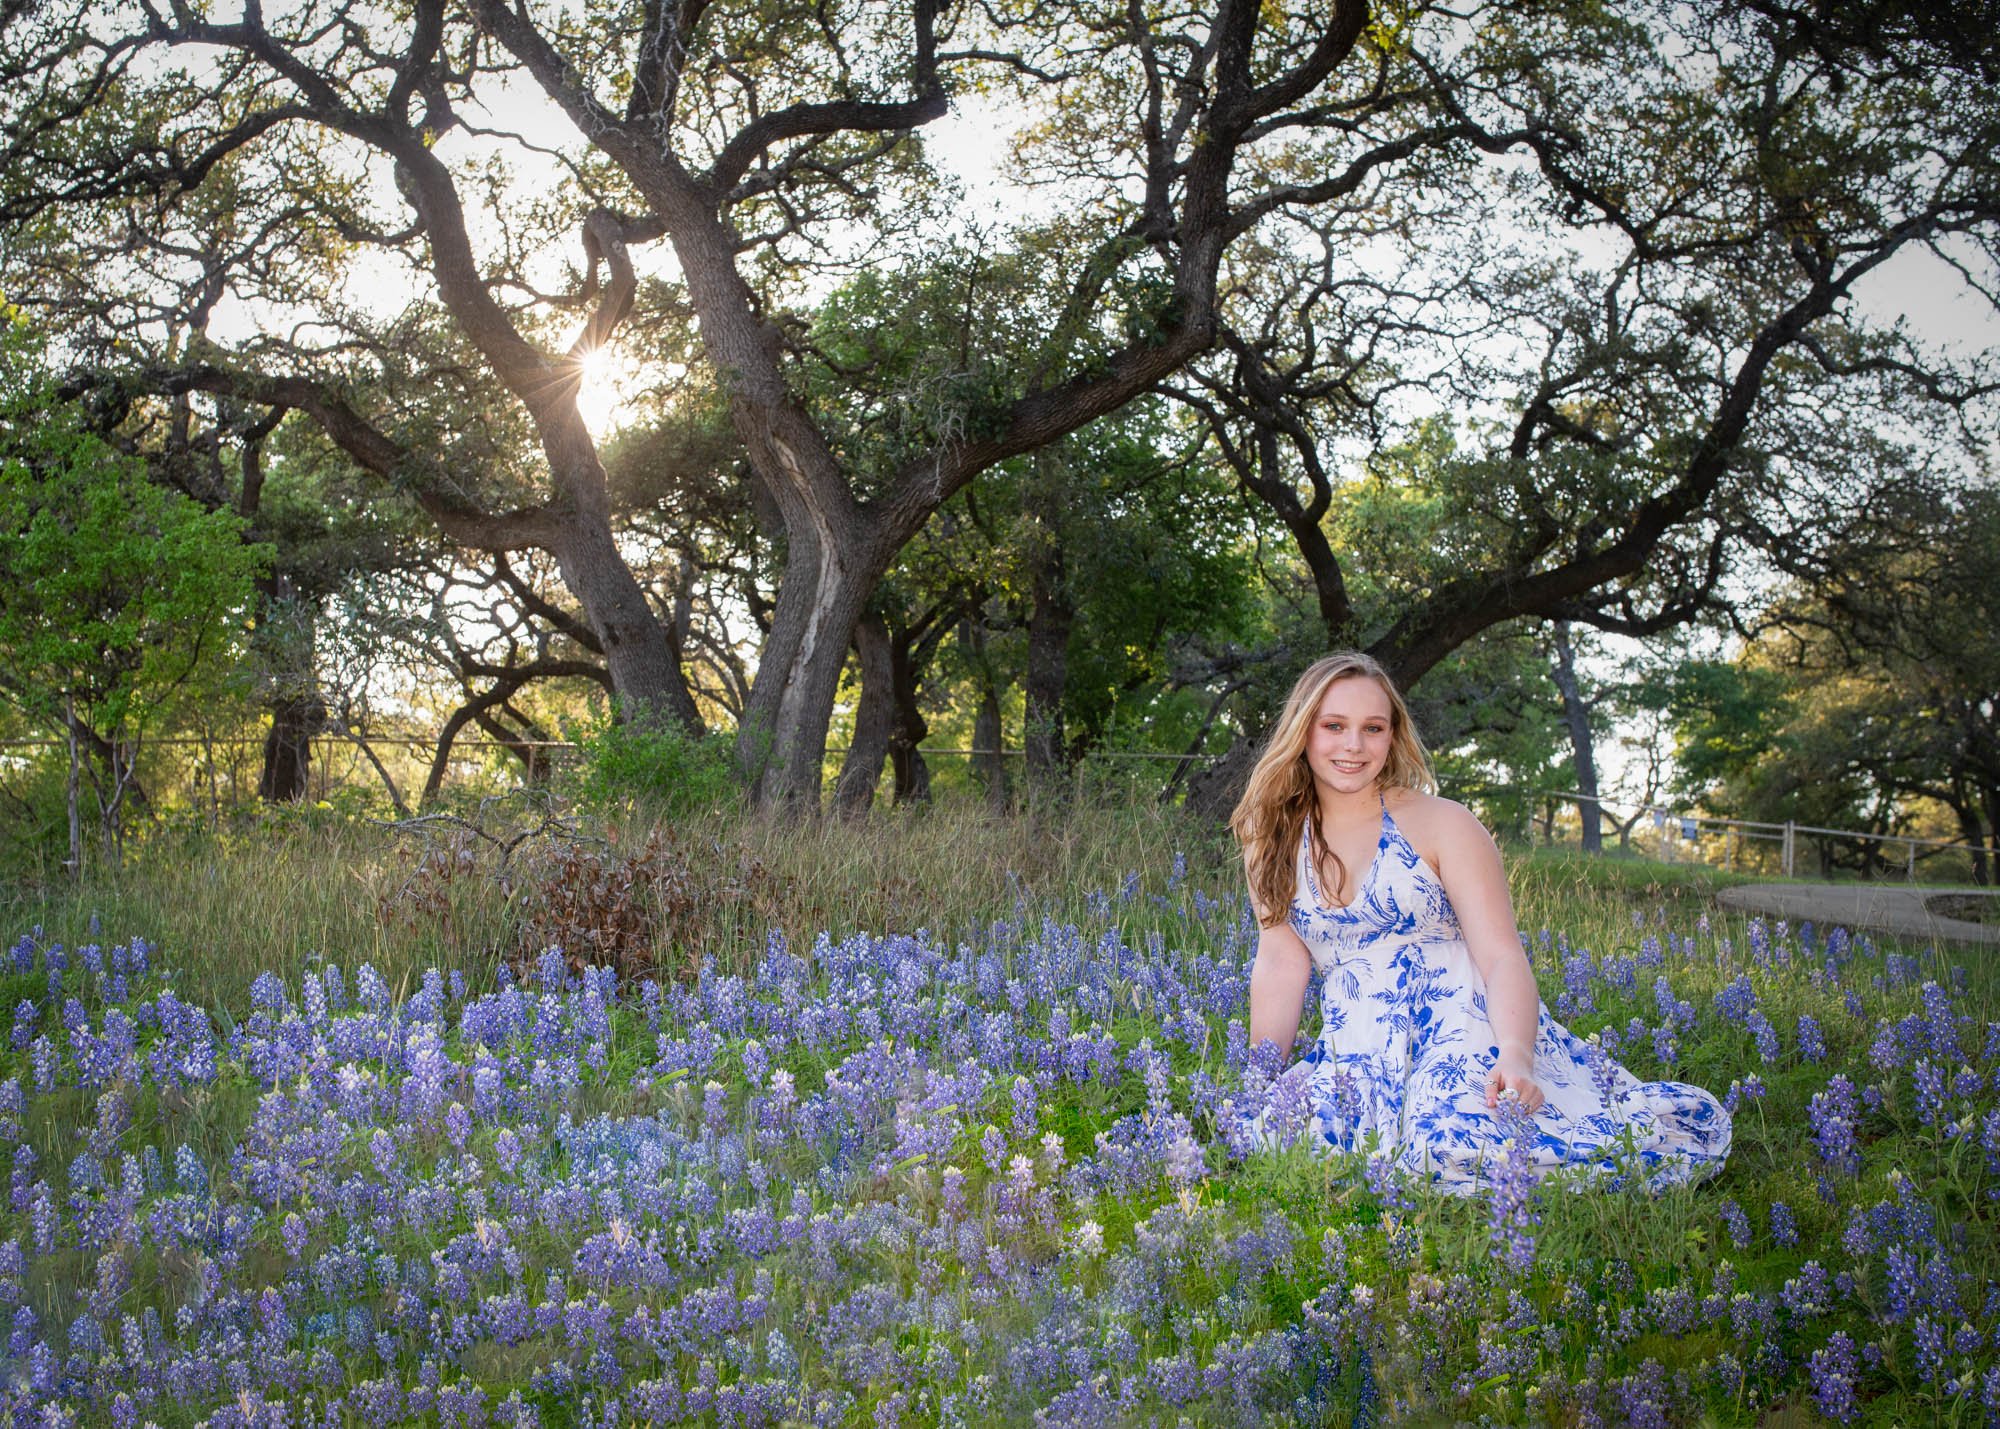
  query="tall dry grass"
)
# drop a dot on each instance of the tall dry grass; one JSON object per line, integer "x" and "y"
{"x": 283, "y": 891}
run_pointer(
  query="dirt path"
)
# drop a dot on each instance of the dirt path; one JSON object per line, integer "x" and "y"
{"x": 1880, "y": 908}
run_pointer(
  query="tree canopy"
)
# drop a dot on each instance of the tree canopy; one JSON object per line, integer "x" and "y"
{"x": 1543, "y": 312}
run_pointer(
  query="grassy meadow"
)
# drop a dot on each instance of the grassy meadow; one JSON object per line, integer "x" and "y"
{"x": 923, "y": 1119}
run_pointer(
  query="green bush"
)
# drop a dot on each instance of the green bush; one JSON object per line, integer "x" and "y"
{"x": 675, "y": 773}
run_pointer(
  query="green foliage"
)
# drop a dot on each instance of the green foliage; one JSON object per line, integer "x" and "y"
{"x": 657, "y": 765}
{"x": 1727, "y": 716}
{"x": 117, "y": 595}
{"x": 1493, "y": 720}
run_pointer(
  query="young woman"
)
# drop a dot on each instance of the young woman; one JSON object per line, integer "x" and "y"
{"x": 1429, "y": 1011}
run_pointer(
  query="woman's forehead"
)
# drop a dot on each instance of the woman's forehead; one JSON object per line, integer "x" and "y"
{"x": 1356, "y": 696}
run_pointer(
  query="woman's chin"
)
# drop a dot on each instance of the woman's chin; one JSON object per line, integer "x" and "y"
{"x": 1344, "y": 784}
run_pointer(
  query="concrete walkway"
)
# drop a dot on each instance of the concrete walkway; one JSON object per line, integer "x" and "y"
{"x": 1883, "y": 908}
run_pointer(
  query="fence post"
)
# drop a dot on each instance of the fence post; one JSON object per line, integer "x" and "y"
{"x": 1910, "y": 870}
{"x": 1791, "y": 840}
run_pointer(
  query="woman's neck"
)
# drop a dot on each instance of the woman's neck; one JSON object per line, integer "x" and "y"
{"x": 1335, "y": 809}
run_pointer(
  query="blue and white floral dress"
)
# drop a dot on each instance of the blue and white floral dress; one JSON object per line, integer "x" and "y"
{"x": 1405, "y": 1046}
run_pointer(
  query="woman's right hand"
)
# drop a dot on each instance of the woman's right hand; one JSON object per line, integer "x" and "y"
{"x": 1514, "y": 1071}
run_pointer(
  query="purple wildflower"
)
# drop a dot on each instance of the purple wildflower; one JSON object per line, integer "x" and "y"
{"x": 1834, "y": 1373}
{"x": 1511, "y": 1214}
{"x": 1832, "y": 1114}
{"x": 1784, "y": 1229}
{"x": 1737, "y": 1224}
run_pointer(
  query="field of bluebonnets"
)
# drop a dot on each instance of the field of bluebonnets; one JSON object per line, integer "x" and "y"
{"x": 972, "y": 1170}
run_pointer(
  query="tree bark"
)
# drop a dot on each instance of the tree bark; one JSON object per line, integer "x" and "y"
{"x": 1050, "y": 618}
{"x": 295, "y": 719}
{"x": 989, "y": 764}
{"x": 1991, "y": 798}
{"x": 639, "y": 648}
{"x": 1576, "y": 716}
{"x": 874, "y": 719}
{"x": 912, "y": 775}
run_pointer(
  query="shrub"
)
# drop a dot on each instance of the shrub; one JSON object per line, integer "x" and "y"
{"x": 643, "y": 762}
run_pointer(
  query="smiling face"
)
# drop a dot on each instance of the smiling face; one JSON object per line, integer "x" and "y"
{"x": 1349, "y": 740}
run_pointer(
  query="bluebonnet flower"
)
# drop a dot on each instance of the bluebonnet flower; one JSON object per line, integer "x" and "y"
{"x": 1385, "y": 1183}
{"x": 1289, "y": 1107}
{"x": 1784, "y": 1229}
{"x": 457, "y": 1124}
{"x": 268, "y": 992}
{"x": 1182, "y": 1159}
{"x": 1904, "y": 1284}
{"x": 1026, "y": 1107}
{"x": 1832, "y": 1116}
{"x": 1928, "y": 1082}
{"x": 1928, "y": 1336}
{"x": 1834, "y": 1374}
{"x": 1942, "y": 1023}
{"x": 42, "y": 1219}
{"x": 1511, "y": 1214}
{"x": 42, "y": 1060}
{"x": 1576, "y": 997}
{"x": 1737, "y": 1224}
{"x": 993, "y": 1148}
{"x": 1734, "y": 1002}
{"x": 1665, "y": 1048}
{"x": 1812, "y": 1041}
{"x": 1765, "y": 1034}
{"x": 1808, "y": 1293}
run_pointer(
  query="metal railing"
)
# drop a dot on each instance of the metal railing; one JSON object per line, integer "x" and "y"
{"x": 1728, "y": 843}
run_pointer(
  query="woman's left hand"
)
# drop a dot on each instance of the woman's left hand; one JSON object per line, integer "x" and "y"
{"x": 1514, "y": 1074}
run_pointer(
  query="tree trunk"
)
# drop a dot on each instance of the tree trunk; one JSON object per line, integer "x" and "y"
{"x": 912, "y": 774}
{"x": 1974, "y": 833}
{"x": 638, "y": 646}
{"x": 1991, "y": 798}
{"x": 295, "y": 719}
{"x": 525, "y": 740}
{"x": 1049, "y": 621}
{"x": 782, "y": 744}
{"x": 73, "y": 789}
{"x": 1576, "y": 715}
{"x": 1212, "y": 792}
{"x": 989, "y": 765}
{"x": 874, "y": 719}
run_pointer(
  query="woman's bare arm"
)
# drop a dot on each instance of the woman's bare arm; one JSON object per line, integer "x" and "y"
{"x": 1469, "y": 863}
{"x": 1278, "y": 984}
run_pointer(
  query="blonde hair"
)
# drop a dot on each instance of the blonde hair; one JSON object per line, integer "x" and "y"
{"x": 1278, "y": 798}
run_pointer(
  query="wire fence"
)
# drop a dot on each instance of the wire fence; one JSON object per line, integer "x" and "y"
{"x": 350, "y": 758}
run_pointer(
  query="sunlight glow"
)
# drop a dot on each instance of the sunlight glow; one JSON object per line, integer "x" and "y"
{"x": 606, "y": 397}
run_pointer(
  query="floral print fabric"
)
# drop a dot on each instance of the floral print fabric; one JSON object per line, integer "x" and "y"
{"x": 1405, "y": 1047}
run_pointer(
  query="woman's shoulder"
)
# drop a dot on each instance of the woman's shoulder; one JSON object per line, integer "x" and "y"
{"x": 1413, "y": 805}
{"x": 1431, "y": 821}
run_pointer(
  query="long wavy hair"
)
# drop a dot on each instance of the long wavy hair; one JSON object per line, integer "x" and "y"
{"x": 1279, "y": 796}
